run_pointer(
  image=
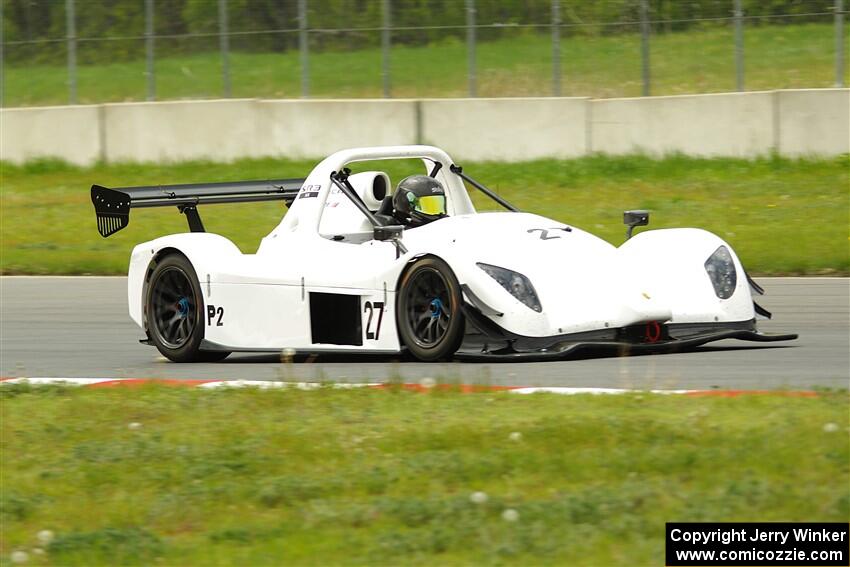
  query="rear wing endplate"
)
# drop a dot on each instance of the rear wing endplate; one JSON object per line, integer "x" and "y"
{"x": 112, "y": 206}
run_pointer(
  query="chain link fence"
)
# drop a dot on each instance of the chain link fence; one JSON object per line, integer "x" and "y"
{"x": 77, "y": 51}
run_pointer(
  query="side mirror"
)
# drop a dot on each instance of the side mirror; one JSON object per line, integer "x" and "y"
{"x": 391, "y": 232}
{"x": 634, "y": 218}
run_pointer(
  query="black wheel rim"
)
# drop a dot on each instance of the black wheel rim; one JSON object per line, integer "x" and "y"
{"x": 429, "y": 307}
{"x": 173, "y": 307}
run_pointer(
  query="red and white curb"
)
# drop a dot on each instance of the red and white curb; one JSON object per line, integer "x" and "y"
{"x": 424, "y": 386}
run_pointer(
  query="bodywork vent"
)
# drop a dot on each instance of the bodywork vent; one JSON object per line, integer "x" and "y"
{"x": 335, "y": 319}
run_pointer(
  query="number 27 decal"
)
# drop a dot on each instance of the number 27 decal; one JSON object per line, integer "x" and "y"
{"x": 544, "y": 232}
{"x": 371, "y": 307}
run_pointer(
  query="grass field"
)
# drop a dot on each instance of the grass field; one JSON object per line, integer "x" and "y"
{"x": 782, "y": 216}
{"x": 790, "y": 56}
{"x": 243, "y": 477}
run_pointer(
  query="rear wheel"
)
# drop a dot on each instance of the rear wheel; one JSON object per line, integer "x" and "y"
{"x": 428, "y": 313}
{"x": 174, "y": 312}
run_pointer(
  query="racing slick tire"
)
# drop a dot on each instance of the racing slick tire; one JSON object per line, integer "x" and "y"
{"x": 174, "y": 309}
{"x": 428, "y": 310}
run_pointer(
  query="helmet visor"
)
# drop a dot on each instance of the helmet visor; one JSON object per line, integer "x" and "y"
{"x": 430, "y": 204}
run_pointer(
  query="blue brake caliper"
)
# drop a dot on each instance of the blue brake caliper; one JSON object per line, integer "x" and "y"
{"x": 436, "y": 307}
{"x": 183, "y": 307}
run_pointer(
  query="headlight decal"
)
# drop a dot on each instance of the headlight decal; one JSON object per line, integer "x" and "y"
{"x": 514, "y": 283}
{"x": 720, "y": 268}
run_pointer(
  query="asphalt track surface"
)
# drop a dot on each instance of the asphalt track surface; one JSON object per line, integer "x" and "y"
{"x": 79, "y": 327}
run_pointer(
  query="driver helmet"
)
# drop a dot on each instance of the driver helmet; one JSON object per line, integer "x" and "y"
{"x": 418, "y": 200}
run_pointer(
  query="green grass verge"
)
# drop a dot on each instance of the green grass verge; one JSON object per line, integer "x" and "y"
{"x": 777, "y": 56}
{"x": 782, "y": 216}
{"x": 248, "y": 477}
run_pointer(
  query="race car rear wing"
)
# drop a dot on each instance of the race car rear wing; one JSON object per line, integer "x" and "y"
{"x": 112, "y": 206}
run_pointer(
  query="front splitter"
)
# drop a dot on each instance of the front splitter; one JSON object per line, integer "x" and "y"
{"x": 615, "y": 348}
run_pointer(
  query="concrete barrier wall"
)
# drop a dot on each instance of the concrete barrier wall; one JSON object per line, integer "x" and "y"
{"x": 731, "y": 124}
{"x": 507, "y": 129}
{"x": 317, "y": 128}
{"x": 181, "y": 130}
{"x": 798, "y": 122}
{"x": 230, "y": 129}
{"x": 813, "y": 121}
{"x": 72, "y": 133}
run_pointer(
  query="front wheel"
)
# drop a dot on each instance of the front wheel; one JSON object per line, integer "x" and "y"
{"x": 428, "y": 310}
{"x": 174, "y": 312}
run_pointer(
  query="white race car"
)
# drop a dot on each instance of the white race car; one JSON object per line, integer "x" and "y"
{"x": 340, "y": 273}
